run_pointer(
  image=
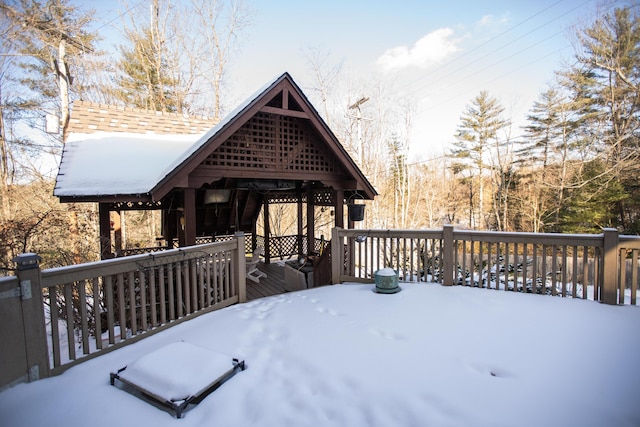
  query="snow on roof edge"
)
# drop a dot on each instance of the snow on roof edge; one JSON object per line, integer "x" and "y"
{"x": 217, "y": 128}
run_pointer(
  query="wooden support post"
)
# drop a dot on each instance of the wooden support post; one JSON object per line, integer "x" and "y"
{"x": 117, "y": 232}
{"x": 608, "y": 294}
{"x": 105, "y": 231}
{"x": 300, "y": 224}
{"x": 337, "y": 255}
{"x": 339, "y": 209}
{"x": 267, "y": 232}
{"x": 448, "y": 264}
{"x": 30, "y": 285}
{"x": 189, "y": 216}
{"x": 311, "y": 221}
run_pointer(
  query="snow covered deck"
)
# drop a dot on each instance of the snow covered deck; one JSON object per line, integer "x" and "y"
{"x": 344, "y": 355}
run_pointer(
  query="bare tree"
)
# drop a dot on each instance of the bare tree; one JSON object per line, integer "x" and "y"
{"x": 325, "y": 75}
{"x": 219, "y": 25}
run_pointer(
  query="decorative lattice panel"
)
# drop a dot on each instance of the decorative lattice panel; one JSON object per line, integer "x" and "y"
{"x": 299, "y": 151}
{"x": 323, "y": 197}
{"x": 280, "y": 197}
{"x": 253, "y": 146}
{"x": 269, "y": 142}
{"x": 135, "y": 206}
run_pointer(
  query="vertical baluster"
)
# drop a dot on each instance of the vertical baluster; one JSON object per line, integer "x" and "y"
{"x": 132, "y": 303}
{"x": 227, "y": 274}
{"x": 554, "y": 269}
{"x": 515, "y": 267}
{"x": 186, "y": 287}
{"x": 171, "y": 292}
{"x": 209, "y": 264}
{"x": 179, "y": 290}
{"x": 142, "y": 278}
{"x": 468, "y": 268}
{"x": 597, "y": 279}
{"x": 217, "y": 271}
{"x": 622, "y": 282}
{"x": 506, "y": 266}
{"x": 544, "y": 269}
{"x": 110, "y": 307}
{"x": 97, "y": 313}
{"x": 488, "y": 265}
{"x": 121, "y": 306}
{"x": 194, "y": 285}
{"x": 480, "y": 260}
{"x": 497, "y": 266}
{"x": 153, "y": 297}
{"x": 84, "y": 318}
{"x": 574, "y": 272}
{"x": 563, "y": 270}
{"x": 162, "y": 282}
{"x": 55, "y": 330}
{"x": 635, "y": 254}
{"x": 68, "y": 301}
{"x": 525, "y": 266}
{"x": 585, "y": 271}
{"x": 202, "y": 264}
{"x": 534, "y": 268}
{"x": 415, "y": 259}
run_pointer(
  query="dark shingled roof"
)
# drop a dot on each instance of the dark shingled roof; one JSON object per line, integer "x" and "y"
{"x": 88, "y": 117}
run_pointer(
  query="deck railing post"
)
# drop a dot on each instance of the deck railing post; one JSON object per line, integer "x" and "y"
{"x": 241, "y": 268}
{"x": 30, "y": 285}
{"x": 448, "y": 266}
{"x": 337, "y": 255}
{"x": 608, "y": 294}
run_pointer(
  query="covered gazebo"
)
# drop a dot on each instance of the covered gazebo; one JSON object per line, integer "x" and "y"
{"x": 273, "y": 148}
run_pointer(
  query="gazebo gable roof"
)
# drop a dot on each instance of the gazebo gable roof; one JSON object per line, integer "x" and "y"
{"x": 283, "y": 98}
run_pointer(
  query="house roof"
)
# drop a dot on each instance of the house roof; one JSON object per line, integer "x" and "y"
{"x": 149, "y": 165}
{"x": 89, "y": 117}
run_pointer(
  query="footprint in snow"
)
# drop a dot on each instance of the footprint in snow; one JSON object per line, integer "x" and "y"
{"x": 393, "y": 336}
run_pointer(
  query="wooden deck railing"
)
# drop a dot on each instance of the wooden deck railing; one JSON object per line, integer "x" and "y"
{"x": 53, "y": 319}
{"x": 96, "y": 307}
{"x": 603, "y": 267}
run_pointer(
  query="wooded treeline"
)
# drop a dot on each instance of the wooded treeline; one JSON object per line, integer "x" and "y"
{"x": 573, "y": 168}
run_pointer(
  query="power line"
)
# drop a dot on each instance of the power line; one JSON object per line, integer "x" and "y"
{"x": 499, "y": 48}
{"x": 502, "y": 76}
{"x": 510, "y": 43}
{"x": 483, "y": 44}
{"x": 120, "y": 15}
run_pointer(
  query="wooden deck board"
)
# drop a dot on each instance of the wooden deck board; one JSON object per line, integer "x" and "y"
{"x": 271, "y": 285}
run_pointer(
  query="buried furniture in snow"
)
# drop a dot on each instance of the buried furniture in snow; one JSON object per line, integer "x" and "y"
{"x": 253, "y": 273}
{"x": 177, "y": 375}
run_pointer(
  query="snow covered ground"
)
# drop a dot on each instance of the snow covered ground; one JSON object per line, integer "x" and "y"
{"x": 346, "y": 356}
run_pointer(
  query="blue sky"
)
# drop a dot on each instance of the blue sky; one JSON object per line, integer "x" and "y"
{"x": 439, "y": 55}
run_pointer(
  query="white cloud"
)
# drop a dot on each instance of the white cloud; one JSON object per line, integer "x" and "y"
{"x": 429, "y": 50}
{"x": 493, "y": 21}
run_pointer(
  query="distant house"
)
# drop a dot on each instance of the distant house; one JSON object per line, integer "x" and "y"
{"x": 207, "y": 178}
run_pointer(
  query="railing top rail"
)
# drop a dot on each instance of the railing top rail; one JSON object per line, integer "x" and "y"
{"x": 72, "y": 273}
{"x": 561, "y": 239}
{"x": 429, "y": 234}
{"x": 537, "y": 238}
{"x": 629, "y": 242}
{"x": 9, "y": 281}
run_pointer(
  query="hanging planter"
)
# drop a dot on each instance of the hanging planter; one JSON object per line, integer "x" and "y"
{"x": 355, "y": 210}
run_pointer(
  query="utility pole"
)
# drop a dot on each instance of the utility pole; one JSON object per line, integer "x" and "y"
{"x": 360, "y": 148}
